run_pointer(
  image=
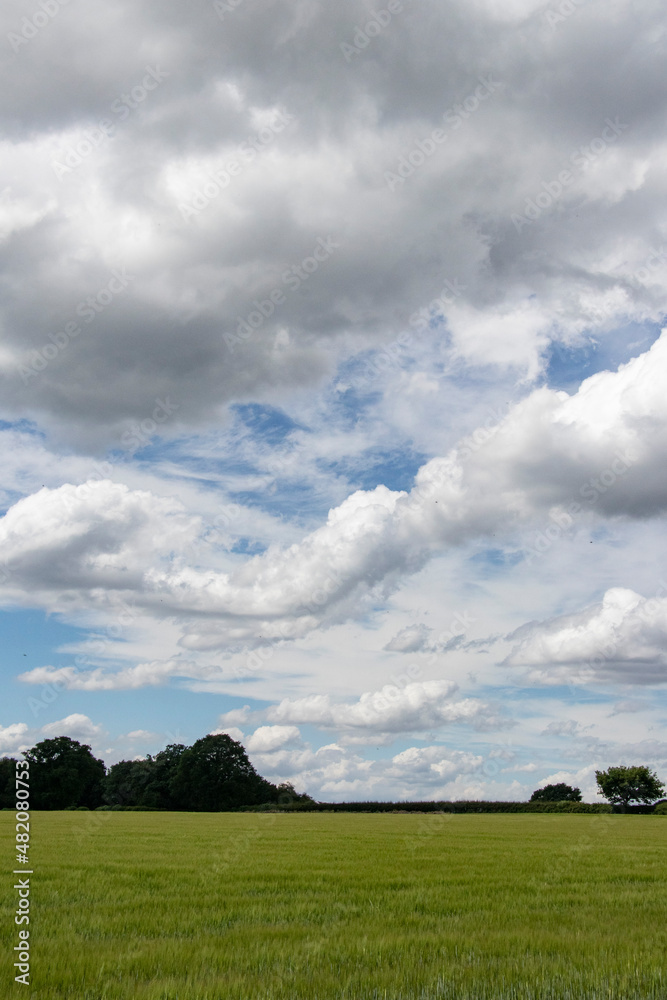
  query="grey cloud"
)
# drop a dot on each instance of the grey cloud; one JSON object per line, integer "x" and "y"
{"x": 325, "y": 174}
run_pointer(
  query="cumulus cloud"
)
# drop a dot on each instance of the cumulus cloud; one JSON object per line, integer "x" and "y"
{"x": 236, "y": 716}
{"x": 11, "y": 736}
{"x": 335, "y": 772}
{"x": 418, "y": 707}
{"x": 19, "y": 736}
{"x": 317, "y": 136}
{"x": 600, "y": 450}
{"x": 76, "y": 726}
{"x": 266, "y": 739}
{"x": 233, "y": 731}
{"x": 622, "y": 639}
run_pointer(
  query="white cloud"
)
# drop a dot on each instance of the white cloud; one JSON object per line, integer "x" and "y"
{"x": 236, "y": 716}
{"x": 621, "y": 639}
{"x": 11, "y": 736}
{"x": 418, "y": 707}
{"x": 267, "y": 739}
{"x": 334, "y": 772}
{"x": 233, "y": 731}
{"x": 76, "y": 726}
{"x": 602, "y": 446}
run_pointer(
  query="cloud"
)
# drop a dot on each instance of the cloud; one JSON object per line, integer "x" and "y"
{"x": 566, "y": 727}
{"x": 621, "y": 639}
{"x": 98, "y": 182}
{"x": 629, "y": 706}
{"x": 11, "y": 736}
{"x": 142, "y": 675}
{"x": 236, "y": 716}
{"x": 267, "y": 739}
{"x": 597, "y": 452}
{"x": 333, "y": 772}
{"x": 76, "y": 726}
{"x": 233, "y": 731}
{"x": 418, "y": 707}
{"x": 412, "y": 639}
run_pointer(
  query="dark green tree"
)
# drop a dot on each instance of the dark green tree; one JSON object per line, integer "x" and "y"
{"x": 144, "y": 782}
{"x": 126, "y": 783}
{"x": 63, "y": 773}
{"x": 7, "y": 782}
{"x": 287, "y": 794}
{"x": 622, "y": 785}
{"x": 556, "y": 793}
{"x": 215, "y": 774}
{"x": 163, "y": 768}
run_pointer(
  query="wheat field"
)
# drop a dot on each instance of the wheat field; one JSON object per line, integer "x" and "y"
{"x": 185, "y": 906}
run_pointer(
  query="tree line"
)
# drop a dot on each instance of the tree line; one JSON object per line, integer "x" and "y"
{"x": 212, "y": 775}
{"x": 215, "y": 774}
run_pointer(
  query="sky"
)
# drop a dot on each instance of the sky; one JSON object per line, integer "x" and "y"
{"x": 333, "y": 387}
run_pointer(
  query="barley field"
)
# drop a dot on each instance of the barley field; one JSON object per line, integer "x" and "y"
{"x": 184, "y": 906}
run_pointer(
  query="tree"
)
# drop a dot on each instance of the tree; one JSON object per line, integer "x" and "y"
{"x": 164, "y": 765}
{"x": 126, "y": 782}
{"x": 622, "y": 785}
{"x": 7, "y": 783}
{"x": 215, "y": 774}
{"x": 288, "y": 795}
{"x": 63, "y": 773}
{"x": 556, "y": 793}
{"x": 144, "y": 782}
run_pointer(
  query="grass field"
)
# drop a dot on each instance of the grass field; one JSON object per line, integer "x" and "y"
{"x": 182, "y": 906}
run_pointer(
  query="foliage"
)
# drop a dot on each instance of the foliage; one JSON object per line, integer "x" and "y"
{"x": 622, "y": 785}
{"x": 7, "y": 783}
{"x": 556, "y": 793}
{"x": 215, "y": 773}
{"x": 660, "y": 809}
{"x": 63, "y": 773}
{"x": 145, "y": 783}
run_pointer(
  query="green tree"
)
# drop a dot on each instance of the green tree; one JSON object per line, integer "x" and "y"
{"x": 7, "y": 782}
{"x": 144, "y": 782}
{"x": 287, "y": 794}
{"x": 556, "y": 793}
{"x": 215, "y": 774}
{"x": 63, "y": 773}
{"x": 126, "y": 782}
{"x": 622, "y": 785}
{"x": 163, "y": 767}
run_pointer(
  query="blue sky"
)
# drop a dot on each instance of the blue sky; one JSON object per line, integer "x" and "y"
{"x": 367, "y": 472}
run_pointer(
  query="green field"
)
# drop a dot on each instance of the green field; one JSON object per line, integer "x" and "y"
{"x": 183, "y": 906}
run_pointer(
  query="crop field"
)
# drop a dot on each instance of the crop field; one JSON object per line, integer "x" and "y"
{"x": 184, "y": 906}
